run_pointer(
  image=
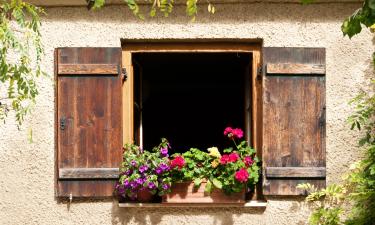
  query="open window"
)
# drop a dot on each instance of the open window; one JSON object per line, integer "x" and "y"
{"x": 189, "y": 98}
{"x": 188, "y": 92}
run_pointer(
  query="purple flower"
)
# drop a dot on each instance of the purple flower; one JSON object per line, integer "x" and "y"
{"x": 126, "y": 183}
{"x": 143, "y": 168}
{"x": 164, "y": 152}
{"x": 158, "y": 170}
{"x": 121, "y": 189}
{"x": 128, "y": 172}
{"x": 139, "y": 181}
{"x": 151, "y": 185}
{"x": 164, "y": 167}
{"x": 133, "y": 184}
{"x": 165, "y": 186}
{"x": 133, "y": 163}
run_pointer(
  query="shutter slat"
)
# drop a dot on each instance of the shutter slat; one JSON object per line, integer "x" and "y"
{"x": 89, "y": 117}
{"x": 88, "y": 69}
{"x": 293, "y": 119}
{"x": 295, "y": 69}
{"x": 89, "y": 173}
{"x": 296, "y": 172}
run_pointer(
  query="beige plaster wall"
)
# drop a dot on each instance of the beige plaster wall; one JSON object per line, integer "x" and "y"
{"x": 27, "y": 170}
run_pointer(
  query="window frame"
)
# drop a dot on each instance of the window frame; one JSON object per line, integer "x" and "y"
{"x": 252, "y": 46}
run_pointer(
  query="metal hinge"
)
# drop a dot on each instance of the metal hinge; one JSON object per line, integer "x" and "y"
{"x": 62, "y": 123}
{"x": 259, "y": 72}
{"x": 124, "y": 74}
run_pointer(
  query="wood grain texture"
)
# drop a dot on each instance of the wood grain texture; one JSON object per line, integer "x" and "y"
{"x": 295, "y": 172}
{"x": 87, "y": 69}
{"x": 295, "y": 69}
{"x": 293, "y": 119}
{"x": 89, "y": 173}
{"x": 91, "y": 107}
{"x": 128, "y": 99}
{"x": 185, "y": 192}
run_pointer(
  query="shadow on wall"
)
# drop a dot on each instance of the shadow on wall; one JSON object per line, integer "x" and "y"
{"x": 177, "y": 215}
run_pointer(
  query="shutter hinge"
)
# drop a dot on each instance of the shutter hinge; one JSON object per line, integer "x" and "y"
{"x": 62, "y": 123}
{"x": 259, "y": 72}
{"x": 124, "y": 74}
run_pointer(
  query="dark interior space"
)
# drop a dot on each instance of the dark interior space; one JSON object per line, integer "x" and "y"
{"x": 189, "y": 98}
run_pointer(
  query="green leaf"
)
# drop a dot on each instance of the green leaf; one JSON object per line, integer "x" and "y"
{"x": 371, "y": 4}
{"x": 217, "y": 183}
{"x": 197, "y": 182}
{"x": 208, "y": 188}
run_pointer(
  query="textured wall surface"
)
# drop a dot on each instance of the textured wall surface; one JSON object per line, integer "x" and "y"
{"x": 27, "y": 170}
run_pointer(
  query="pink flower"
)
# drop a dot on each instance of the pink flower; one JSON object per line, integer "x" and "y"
{"x": 237, "y": 133}
{"x": 179, "y": 162}
{"x": 242, "y": 175}
{"x": 224, "y": 159}
{"x": 248, "y": 161}
{"x": 227, "y": 131}
{"x": 233, "y": 157}
{"x": 233, "y": 132}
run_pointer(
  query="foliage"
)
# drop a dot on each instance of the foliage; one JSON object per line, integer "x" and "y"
{"x": 362, "y": 179}
{"x": 358, "y": 188}
{"x": 327, "y": 203}
{"x": 232, "y": 172}
{"x": 21, "y": 53}
{"x": 163, "y": 6}
{"x": 144, "y": 170}
{"x": 362, "y": 16}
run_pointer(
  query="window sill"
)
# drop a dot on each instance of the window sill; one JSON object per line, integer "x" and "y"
{"x": 250, "y": 204}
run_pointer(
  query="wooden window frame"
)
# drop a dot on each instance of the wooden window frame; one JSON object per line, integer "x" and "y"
{"x": 253, "y": 46}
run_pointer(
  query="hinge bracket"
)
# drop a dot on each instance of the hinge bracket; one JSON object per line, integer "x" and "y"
{"x": 259, "y": 72}
{"x": 124, "y": 74}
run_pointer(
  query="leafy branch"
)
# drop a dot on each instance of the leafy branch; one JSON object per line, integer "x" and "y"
{"x": 21, "y": 53}
{"x": 163, "y": 6}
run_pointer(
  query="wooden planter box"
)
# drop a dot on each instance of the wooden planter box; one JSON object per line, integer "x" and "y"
{"x": 186, "y": 193}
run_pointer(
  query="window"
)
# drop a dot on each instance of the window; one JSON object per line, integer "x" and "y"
{"x": 279, "y": 100}
{"x": 190, "y": 98}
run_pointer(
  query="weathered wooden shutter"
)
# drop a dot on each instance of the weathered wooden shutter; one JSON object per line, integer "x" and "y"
{"x": 89, "y": 118}
{"x": 293, "y": 119}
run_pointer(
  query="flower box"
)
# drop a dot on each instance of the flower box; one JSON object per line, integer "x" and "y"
{"x": 185, "y": 192}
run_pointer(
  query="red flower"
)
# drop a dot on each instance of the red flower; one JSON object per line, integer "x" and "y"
{"x": 179, "y": 162}
{"x": 237, "y": 133}
{"x": 242, "y": 175}
{"x": 233, "y": 157}
{"x": 224, "y": 159}
{"x": 248, "y": 161}
{"x": 227, "y": 131}
{"x": 233, "y": 132}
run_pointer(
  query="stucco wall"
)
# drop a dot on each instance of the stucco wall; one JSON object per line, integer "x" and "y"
{"x": 27, "y": 170}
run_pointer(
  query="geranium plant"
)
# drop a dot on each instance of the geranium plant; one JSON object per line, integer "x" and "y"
{"x": 142, "y": 170}
{"x": 231, "y": 171}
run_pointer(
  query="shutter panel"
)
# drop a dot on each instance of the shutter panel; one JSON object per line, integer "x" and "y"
{"x": 293, "y": 119}
{"x": 89, "y": 118}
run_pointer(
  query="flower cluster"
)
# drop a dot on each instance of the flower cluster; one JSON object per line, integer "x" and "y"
{"x": 144, "y": 171}
{"x": 231, "y": 158}
{"x": 231, "y": 171}
{"x": 178, "y": 161}
{"x": 233, "y": 132}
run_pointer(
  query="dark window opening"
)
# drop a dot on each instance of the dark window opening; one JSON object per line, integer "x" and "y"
{"x": 189, "y": 98}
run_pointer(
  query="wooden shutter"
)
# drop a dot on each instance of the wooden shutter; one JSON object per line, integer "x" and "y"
{"x": 293, "y": 119}
{"x": 89, "y": 118}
